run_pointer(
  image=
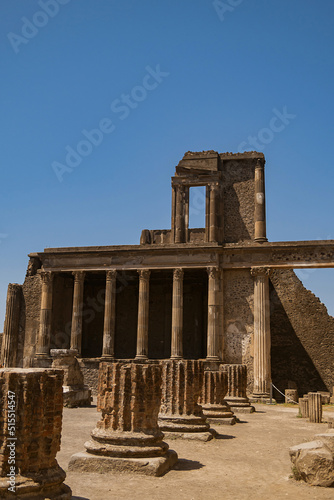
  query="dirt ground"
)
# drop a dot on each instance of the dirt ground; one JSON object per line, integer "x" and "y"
{"x": 249, "y": 460}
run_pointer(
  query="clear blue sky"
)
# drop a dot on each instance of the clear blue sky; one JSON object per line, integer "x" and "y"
{"x": 159, "y": 78}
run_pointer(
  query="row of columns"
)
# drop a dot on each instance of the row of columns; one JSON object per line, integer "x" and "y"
{"x": 180, "y": 213}
{"x": 44, "y": 338}
{"x": 262, "y": 369}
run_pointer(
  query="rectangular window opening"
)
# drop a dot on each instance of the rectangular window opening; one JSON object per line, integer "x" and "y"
{"x": 197, "y": 207}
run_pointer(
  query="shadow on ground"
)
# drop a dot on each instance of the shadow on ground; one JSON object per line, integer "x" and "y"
{"x": 185, "y": 464}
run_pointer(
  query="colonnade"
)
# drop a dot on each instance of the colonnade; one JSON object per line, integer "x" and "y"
{"x": 262, "y": 369}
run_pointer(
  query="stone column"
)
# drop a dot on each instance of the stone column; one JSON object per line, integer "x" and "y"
{"x": 33, "y": 399}
{"x": 214, "y": 206}
{"x": 207, "y": 213}
{"x": 180, "y": 414}
{"x": 303, "y": 407}
{"x": 76, "y": 330}
{"x": 213, "y": 315}
{"x": 173, "y": 214}
{"x": 314, "y": 407}
{"x": 212, "y": 399}
{"x": 237, "y": 388}
{"x": 262, "y": 341}
{"x": 109, "y": 316}
{"x": 177, "y": 315}
{"x": 127, "y": 438}
{"x": 260, "y": 203}
{"x": 44, "y": 337}
{"x": 179, "y": 215}
{"x": 11, "y": 328}
{"x": 143, "y": 314}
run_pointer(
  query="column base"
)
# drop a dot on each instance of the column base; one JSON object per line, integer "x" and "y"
{"x": 176, "y": 357}
{"x": 42, "y": 360}
{"x": 261, "y": 398}
{"x": 240, "y": 405}
{"x": 185, "y": 427}
{"x": 141, "y": 356}
{"x": 260, "y": 239}
{"x": 219, "y": 414}
{"x": 156, "y": 466}
{"x": 212, "y": 358}
{"x": 107, "y": 357}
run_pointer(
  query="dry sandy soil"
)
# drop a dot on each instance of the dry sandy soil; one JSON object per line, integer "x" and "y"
{"x": 249, "y": 460}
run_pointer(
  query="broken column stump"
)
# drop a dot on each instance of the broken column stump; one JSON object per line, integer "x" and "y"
{"x": 127, "y": 438}
{"x": 237, "y": 388}
{"x": 75, "y": 392}
{"x": 315, "y": 407}
{"x": 212, "y": 400}
{"x": 180, "y": 414}
{"x": 303, "y": 407}
{"x": 30, "y": 432}
{"x": 291, "y": 396}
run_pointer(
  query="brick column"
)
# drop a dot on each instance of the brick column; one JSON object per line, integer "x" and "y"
{"x": 143, "y": 312}
{"x": 179, "y": 215}
{"x": 213, "y": 218}
{"x": 262, "y": 341}
{"x": 177, "y": 315}
{"x": 213, "y": 315}
{"x": 33, "y": 399}
{"x": 127, "y": 438}
{"x": 76, "y": 330}
{"x": 109, "y": 316}
{"x": 11, "y": 327}
{"x": 260, "y": 203}
{"x": 44, "y": 336}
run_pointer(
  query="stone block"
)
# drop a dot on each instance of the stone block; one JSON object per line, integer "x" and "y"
{"x": 236, "y": 396}
{"x": 291, "y": 395}
{"x": 313, "y": 462}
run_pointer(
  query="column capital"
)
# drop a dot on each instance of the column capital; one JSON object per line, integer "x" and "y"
{"x": 46, "y": 277}
{"x": 144, "y": 274}
{"x": 213, "y": 272}
{"x": 260, "y": 272}
{"x": 260, "y": 163}
{"x": 79, "y": 275}
{"x": 111, "y": 274}
{"x": 178, "y": 273}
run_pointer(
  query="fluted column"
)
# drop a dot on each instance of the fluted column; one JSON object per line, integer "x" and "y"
{"x": 177, "y": 315}
{"x": 143, "y": 312}
{"x": 11, "y": 327}
{"x": 76, "y": 330}
{"x": 262, "y": 341}
{"x": 213, "y": 315}
{"x": 44, "y": 336}
{"x": 109, "y": 316}
{"x": 260, "y": 203}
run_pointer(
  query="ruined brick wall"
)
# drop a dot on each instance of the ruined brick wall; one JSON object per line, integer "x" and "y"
{"x": 302, "y": 335}
{"x": 238, "y": 198}
{"x": 239, "y": 319}
{"x": 90, "y": 371}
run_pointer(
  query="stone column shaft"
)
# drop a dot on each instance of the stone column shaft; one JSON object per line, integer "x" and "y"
{"x": 143, "y": 314}
{"x": 173, "y": 214}
{"x": 213, "y": 315}
{"x": 207, "y": 213}
{"x": 76, "y": 330}
{"x": 177, "y": 315}
{"x": 11, "y": 327}
{"x": 260, "y": 204}
{"x": 44, "y": 337}
{"x": 179, "y": 216}
{"x": 262, "y": 341}
{"x": 109, "y": 316}
{"x": 213, "y": 229}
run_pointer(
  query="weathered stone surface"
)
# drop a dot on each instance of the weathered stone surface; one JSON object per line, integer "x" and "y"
{"x": 236, "y": 395}
{"x": 10, "y": 337}
{"x": 328, "y": 439}
{"x": 180, "y": 414}
{"x": 291, "y": 395}
{"x": 75, "y": 392}
{"x": 303, "y": 407}
{"x": 127, "y": 437}
{"x": 315, "y": 407}
{"x": 214, "y": 406}
{"x": 31, "y": 402}
{"x": 313, "y": 462}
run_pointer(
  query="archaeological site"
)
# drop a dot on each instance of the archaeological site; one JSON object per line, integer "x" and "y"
{"x": 188, "y": 329}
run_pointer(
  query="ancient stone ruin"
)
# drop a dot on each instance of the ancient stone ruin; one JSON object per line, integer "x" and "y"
{"x": 127, "y": 438}
{"x": 30, "y": 430}
{"x": 221, "y": 293}
{"x": 313, "y": 462}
